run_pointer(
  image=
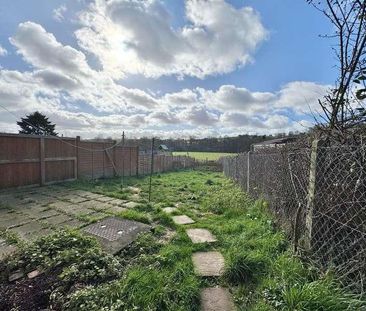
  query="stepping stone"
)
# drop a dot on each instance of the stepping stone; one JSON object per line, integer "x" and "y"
{"x": 216, "y": 299}
{"x": 200, "y": 236}
{"x": 182, "y": 220}
{"x": 208, "y": 263}
{"x": 169, "y": 210}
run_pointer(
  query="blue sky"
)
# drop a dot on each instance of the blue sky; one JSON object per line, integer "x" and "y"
{"x": 167, "y": 68}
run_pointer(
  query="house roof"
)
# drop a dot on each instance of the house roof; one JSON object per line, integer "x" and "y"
{"x": 277, "y": 141}
{"x": 163, "y": 147}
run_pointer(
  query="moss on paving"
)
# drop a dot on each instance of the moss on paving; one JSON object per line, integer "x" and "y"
{"x": 154, "y": 275}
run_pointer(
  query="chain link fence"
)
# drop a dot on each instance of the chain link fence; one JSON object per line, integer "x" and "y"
{"x": 318, "y": 196}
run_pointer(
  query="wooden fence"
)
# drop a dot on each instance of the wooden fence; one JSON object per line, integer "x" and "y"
{"x": 40, "y": 160}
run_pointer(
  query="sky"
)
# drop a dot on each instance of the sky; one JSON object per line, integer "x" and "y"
{"x": 165, "y": 68}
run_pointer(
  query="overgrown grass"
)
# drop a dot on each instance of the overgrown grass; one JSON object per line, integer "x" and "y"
{"x": 153, "y": 274}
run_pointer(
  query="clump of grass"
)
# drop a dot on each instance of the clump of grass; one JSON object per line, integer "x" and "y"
{"x": 243, "y": 268}
{"x": 134, "y": 215}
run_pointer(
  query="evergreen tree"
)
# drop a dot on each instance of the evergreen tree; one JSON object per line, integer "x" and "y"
{"x": 36, "y": 124}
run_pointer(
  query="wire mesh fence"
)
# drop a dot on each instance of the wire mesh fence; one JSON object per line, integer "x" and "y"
{"x": 318, "y": 195}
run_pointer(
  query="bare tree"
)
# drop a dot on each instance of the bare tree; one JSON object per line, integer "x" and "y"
{"x": 342, "y": 107}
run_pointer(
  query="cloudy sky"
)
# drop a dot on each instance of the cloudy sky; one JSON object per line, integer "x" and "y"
{"x": 167, "y": 68}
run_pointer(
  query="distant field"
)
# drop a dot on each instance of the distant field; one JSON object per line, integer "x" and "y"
{"x": 203, "y": 155}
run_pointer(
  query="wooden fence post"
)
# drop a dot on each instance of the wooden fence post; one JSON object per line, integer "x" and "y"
{"x": 77, "y": 143}
{"x": 314, "y": 178}
{"x": 42, "y": 163}
{"x": 137, "y": 161}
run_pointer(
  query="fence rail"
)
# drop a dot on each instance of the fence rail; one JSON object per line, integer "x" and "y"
{"x": 318, "y": 195}
{"x": 27, "y": 160}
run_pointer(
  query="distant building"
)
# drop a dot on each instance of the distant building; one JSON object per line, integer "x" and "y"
{"x": 164, "y": 149}
{"x": 273, "y": 143}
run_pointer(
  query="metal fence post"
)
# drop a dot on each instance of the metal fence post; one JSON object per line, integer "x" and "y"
{"x": 248, "y": 171}
{"x": 314, "y": 178}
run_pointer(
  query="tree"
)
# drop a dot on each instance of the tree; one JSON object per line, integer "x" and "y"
{"x": 343, "y": 106}
{"x": 36, "y": 124}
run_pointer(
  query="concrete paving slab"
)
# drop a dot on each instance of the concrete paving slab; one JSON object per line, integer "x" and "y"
{"x": 40, "y": 213}
{"x": 6, "y": 249}
{"x": 72, "y": 198}
{"x": 25, "y": 230}
{"x": 117, "y": 202}
{"x": 92, "y": 195}
{"x": 15, "y": 221}
{"x": 169, "y": 210}
{"x": 217, "y": 299}
{"x": 101, "y": 206}
{"x": 32, "y": 236}
{"x": 72, "y": 224}
{"x": 208, "y": 263}
{"x": 131, "y": 204}
{"x": 182, "y": 220}
{"x": 60, "y": 205}
{"x": 56, "y": 220}
{"x": 200, "y": 236}
{"x": 116, "y": 233}
{"x": 104, "y": 199}
{"x": 116, "y": 209}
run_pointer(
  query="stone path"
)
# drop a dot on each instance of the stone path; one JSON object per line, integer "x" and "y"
{"x": 206, "y": 264}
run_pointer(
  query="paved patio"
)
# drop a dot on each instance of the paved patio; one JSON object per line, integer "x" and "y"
{"x": 32, "y": 213}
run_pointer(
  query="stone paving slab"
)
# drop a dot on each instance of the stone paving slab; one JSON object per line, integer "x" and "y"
{"x": 208, "y": 263}
{"x": 56, "y": 220}
{"x": 17, "y": 220}
{"x": 169, "y": 210}
{"x": 6, "y": 249}
{"x": 116, "y": 233}
{"x": 32, "y": 236}
{"x": 216, "y": 299}
{"x": 40, "y": 213}
{"x": 200, "y": 236}
{"x": 182, "y": 220}
{"x": 74, "y": 223}
{"x": 74, "y": 198}
{"x": 117, "y": 202}
{"x": 24, "y": 231}
{"x": 116, "y": 209}
{"x": 104, "y": 199}
{"x": 131, "y": 204}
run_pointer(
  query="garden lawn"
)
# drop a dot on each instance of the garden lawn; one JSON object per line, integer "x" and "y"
{"x": 156, "y": 271}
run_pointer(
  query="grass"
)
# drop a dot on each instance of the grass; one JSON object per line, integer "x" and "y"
{"x": 155, "y": 273}
{"x": 211, "y": 156}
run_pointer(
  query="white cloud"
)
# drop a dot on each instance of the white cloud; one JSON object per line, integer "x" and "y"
{"x": 130, "y": 36}
{"x": 301, "y": 96}
{"x": 86, "y": 102}
{"x": 3, "y": 51}
{"x": 58, "y": 13}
